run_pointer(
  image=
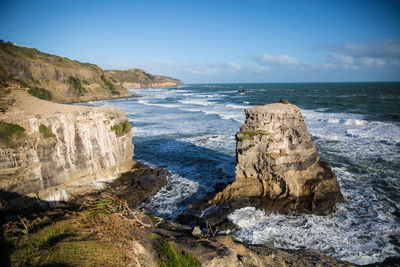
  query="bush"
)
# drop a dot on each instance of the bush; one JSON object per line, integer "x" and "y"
{"x": 77, "y": 85}
{"x": 45, "y": 131}
{"x": 170, "y": 257}
{"x": 122, "y": 129}
{"x": 40, "y": 93}
{"x": 283, "y": 101}
{"x": 110, "y": 86}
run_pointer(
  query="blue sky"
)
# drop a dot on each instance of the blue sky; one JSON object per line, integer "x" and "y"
{"x": 217, "y": 41}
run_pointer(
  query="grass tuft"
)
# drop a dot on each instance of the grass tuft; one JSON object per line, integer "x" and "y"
{"x": 234, "y": 239}
{"x": 171, "y": 257}
{"x": 246, "y": 148}
{"x": 156, "y": 220}
{"x": 105, "y": 206}
{"x": 152, "y": 235}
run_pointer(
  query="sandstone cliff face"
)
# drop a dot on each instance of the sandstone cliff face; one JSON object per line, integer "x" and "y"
{"x": 64, "y": 148}
{"x": 137, "y": 78}
{"x": 278, "y": 166}
{"x": 66, "y": 80}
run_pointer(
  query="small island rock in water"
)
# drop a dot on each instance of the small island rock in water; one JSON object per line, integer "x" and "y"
{"x": 278, "y": 167}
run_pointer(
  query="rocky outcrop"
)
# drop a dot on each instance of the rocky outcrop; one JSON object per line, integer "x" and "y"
{"x": 137, "y": 78}
{"x": 61, "y": 150}
{"x": 55, "y": 78}
{"x": 278, "y": 167}
{"x": 142, "y": 180}
{"x": 224, "y": 250}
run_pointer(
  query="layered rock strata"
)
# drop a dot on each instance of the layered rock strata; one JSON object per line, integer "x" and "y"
{"x": 62, "y": 150}
{"x": 278, "y": 167}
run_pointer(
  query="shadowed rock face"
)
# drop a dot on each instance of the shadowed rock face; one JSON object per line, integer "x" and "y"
{"x": 278, "y": 167}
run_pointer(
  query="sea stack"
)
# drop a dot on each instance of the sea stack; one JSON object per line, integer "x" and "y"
{"x": 278, "y": 166}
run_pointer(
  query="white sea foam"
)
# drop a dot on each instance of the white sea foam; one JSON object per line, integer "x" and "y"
{"x": 339, "y": 235}
{"x": 241, "y": 107}
{"x": 195, "y": 102}
{"x": 219, "y": 110}
{"x": 168, "y": 199}
{"x": 146, "y": 102}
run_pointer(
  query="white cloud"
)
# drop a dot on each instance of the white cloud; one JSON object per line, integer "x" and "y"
{"x": 371, "y": 62}
{"x": 205, "y": 71}
{"x": 259, "y": 69}
{"x": 328, "y": 66}
{"x": 383, "y": 49}
{"x": 343, "y": 59}
{"x": 280, "y": 60}
{"x": 234, "y": 65}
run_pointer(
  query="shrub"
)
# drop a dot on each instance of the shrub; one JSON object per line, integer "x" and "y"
{"x": 110, "y": 86}
{"x": 171, "y": 257}
{"x": 77, "y": 85}
{"x": 45, "y": 131}
{"x": 122, "y": 128}
{"x": 283, "y": 101}
{"x": 40, "y": 93}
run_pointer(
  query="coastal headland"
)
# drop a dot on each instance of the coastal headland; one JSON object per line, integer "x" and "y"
{"x": 70, "y": 191}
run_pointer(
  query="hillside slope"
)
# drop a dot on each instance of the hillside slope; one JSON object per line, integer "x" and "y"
{"x": 55, "y": 78}
{"x": 137, "y": 78}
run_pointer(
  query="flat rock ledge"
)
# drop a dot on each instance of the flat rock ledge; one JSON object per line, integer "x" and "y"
{"x": 278, "y": 166}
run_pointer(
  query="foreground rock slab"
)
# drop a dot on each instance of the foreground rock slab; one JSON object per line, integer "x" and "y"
{"x": 278, "y": 166}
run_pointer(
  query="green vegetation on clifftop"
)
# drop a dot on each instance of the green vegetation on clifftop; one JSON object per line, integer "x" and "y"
{"x": 145, "y": 79}
{"x": 9, "y": 132}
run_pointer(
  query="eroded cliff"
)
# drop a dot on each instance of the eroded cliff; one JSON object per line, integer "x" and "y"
{"x": 278, "y": 167}
{"x": 53, "y": 151}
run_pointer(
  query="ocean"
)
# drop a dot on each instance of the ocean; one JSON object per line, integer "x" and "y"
{"x": 356, "y": 127}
